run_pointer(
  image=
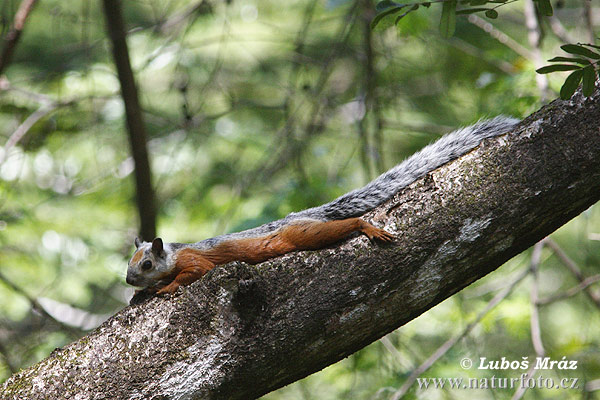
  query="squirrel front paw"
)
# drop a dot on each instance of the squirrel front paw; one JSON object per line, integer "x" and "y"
{"x": 170, "y": 288}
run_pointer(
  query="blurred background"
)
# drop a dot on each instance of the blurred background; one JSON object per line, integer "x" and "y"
{"x": 254, "y": 109}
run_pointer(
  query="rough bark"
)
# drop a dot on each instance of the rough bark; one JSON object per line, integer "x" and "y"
{"x": 243, "y": 331}
{"x": 135, "y": 124}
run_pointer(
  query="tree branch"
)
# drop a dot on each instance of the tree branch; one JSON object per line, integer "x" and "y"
{"x": 574, "y": 269}
{"x": 243, "y": 331}
{"x": 534, "y": 35}
{"x": 12, "y": 38}
{"x": 22, "y": 129}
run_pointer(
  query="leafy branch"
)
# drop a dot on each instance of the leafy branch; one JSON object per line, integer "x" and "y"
{"x": 583, "y": 67}
{"x": 390, "y": 13}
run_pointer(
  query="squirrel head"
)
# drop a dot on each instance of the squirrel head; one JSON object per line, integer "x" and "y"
{"x": 148, "y": 265}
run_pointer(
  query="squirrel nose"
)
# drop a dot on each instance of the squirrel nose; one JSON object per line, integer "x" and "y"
{"x": 130, "y": 279}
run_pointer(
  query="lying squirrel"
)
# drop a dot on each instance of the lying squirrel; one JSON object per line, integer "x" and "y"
{"x": 163, "y": 267}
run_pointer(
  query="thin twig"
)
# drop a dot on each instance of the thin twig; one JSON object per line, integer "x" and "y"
{"x": 37, "y": 307}
{"x": 15, "y": 33}
{"x": 500, "y": 36}
{"x": 570, "y": 292}
{"x": 536, "y": 335}
{"x": 592, "y": 386}
{"x": 571, "y": 266}
{"x": 22, "y": 129}
{"x": 521, "y": 389}
{"x": 177, "y": 18}
{"x": 589, "y": 24}
{"x": 536, "y": 331}
{"x": 387, "y": 343}
{"x": 559, "y": 30}
{"x": 6, "y": 86}
{"x": 452, "y": 341}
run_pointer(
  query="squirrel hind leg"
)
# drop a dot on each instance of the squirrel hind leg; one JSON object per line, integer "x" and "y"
{"x": 312, "y": 235}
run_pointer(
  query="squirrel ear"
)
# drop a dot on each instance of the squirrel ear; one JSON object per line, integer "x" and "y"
{"x": 157, "y": 246}
{"x": 137, "y": 242}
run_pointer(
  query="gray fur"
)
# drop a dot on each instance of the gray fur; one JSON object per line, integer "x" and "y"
{"x": 359, "y": 201}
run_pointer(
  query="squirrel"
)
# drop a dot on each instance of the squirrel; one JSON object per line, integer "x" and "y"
{"x": 161, "y": 268}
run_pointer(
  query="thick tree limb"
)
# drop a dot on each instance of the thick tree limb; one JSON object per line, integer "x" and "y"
{"x": 243, "y": 331}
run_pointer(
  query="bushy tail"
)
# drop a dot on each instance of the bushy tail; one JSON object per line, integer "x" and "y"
{"x": 447, "y": 148}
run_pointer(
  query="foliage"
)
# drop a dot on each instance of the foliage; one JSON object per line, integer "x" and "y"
{"x": 255, "y": 110}
{"x": 583, "y": 69}
{"x": 389, "y": 14}
{"x": 388, "y": 11}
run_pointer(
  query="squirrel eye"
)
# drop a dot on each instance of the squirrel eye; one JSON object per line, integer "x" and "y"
{"x": 147, "y": 265}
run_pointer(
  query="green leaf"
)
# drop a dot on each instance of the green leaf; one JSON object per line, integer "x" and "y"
{"x": 589, "y": 80}
{"x": 390, "y": 12}
{"x": 448, "y": 19}
{"x": 385, "y": 4}
{"x": 399, "y": 17}
{"x": 570, "y": 59}
{"x": 570, "y": 85}
{"x": 580, "y": 50}
{"x": 426, "y": 4}
{"x": 491, "y": 13}
{"x": 545, "y": 7}
{"x": 557, "y": 67}
{"x": 478, "y": 2}
{"x": 471, "y": 10}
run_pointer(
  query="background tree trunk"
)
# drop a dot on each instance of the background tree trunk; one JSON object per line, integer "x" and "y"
{"x": 135, "y": 124}
{"x": 243, "y": 331}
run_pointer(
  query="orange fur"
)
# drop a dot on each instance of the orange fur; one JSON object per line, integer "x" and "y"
{"x": 300, "y": 235}
{"x": 137, "y": 257}
{"x": 312, "y": 235}
{"x": 192, "y": 258}
{"x": 250, "y": 250}
{"x": 191, "y": 264}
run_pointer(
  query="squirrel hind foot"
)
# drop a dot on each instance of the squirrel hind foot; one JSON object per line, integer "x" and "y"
{"x": 376, "y": 234}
